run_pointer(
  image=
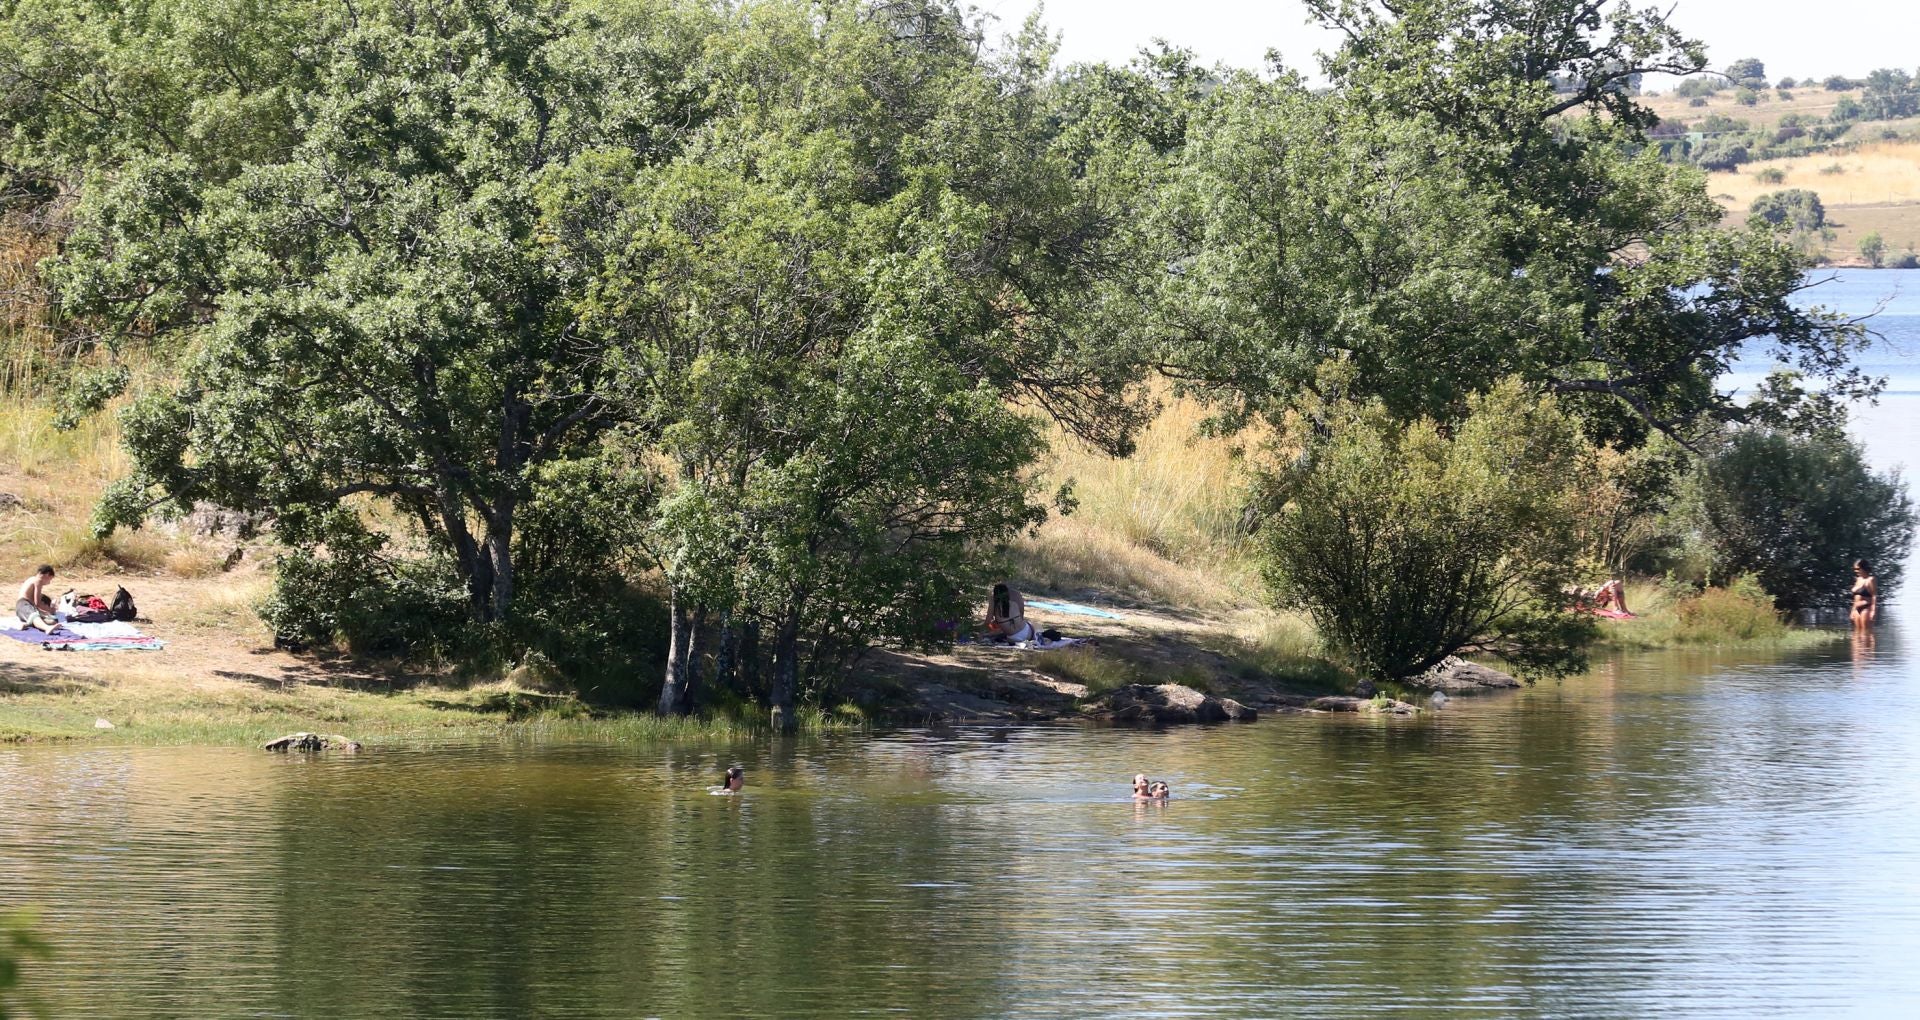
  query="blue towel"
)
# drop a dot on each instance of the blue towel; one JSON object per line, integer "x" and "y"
{"x": 1073, "y": 608}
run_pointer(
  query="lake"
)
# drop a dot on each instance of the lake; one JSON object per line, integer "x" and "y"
{"x": 1676, "y": 834}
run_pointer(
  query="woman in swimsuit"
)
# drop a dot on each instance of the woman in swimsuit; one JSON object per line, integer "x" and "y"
{"x": 1007, "y": 615}
{"x": 1865, "y": 596}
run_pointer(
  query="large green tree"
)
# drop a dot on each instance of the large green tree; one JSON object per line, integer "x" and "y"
{"x": 369, "y": 306}
{"x": 1452, "y": 211}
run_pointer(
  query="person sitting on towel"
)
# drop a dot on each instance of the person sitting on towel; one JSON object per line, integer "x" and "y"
{"x": 35, "y": 605}
{"x": 1612, "y": 595}
{"x": 1007, "y": 615}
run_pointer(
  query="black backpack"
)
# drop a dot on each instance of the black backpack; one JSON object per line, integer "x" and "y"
{"x": 123, "y": 607}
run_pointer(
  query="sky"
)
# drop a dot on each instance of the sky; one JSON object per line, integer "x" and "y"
{"x": 1794, "y": 38}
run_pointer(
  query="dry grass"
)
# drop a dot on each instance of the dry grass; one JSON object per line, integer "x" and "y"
{"x": 1868, "y": 189}
{"x": 1161, "y": 526}
{"x": 1808, "y": 102}
{"x": 1877, "y": 173}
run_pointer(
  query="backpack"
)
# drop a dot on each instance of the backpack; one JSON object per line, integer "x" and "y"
{"x": 123, "y": 607}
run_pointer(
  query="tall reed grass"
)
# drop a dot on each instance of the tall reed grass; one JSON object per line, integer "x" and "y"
{"x": 1160, "y": 526}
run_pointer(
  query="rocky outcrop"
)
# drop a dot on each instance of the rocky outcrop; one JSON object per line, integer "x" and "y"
{"x": 1164, "y": 704}
{"x": 312, "y": 742}
{"x": 206, "y": 520}
{"x": 1458, "y": 676}
{"x": 1375, "y": 706}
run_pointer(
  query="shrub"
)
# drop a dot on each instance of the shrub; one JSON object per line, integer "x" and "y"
{"x": 1787, "y": 83}
{"x": 1746, "y": 97}
{"x": 1697, "y": 101}
{"x": 1407, "y": 543}
{"x": 1907, "y": 260}
{"x": 1794, "y": 209}
{"x": 1795, "y": 511}
{"x": 357, "y": 595}
{"x": 17, "y": 945}
{"x": 1785, "y": 96}
{"x": 1771, "y": 175}
{"x": 1845, "y": 111}
{"x": 1741, "y": 611}
{"x": 1833, "y": 170}
{"x": 1839, "y": 83}
{"x": 1873, "y": 248}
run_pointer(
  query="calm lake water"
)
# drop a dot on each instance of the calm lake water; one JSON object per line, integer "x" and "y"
{"x": 1673, "y": 835}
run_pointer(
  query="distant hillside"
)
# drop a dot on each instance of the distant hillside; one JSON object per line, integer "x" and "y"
{"x": 1838, "y": 143}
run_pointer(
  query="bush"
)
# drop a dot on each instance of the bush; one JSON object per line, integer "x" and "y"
{"x": 1795, "y": 511}
{"x": 1787, "y": 83}
{"x": 1741, "y": 611}
{"x": 1697, "y": 101}
{"x": 1795, "y": 209}
{"x": 1785, "y": 96}
{"x": 1407, "y": 543}
{"x": 17, "y": 945}
{"x": 1746, "y": 97}
{"x": 1907, "y": 260}
{"x": 1771, "y": 175}
{"x": 1873, "y": 248}
{"x": 354, "y": 597}
{"x": 1839, "y": 83}
{"x": 1845, "y": 111}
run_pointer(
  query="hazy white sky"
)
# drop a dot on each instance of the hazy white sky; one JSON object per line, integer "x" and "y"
{"x": 1793, "y": 37}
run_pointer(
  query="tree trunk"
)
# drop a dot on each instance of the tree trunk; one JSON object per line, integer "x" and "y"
{"x": 690, "y": 686}
{"x": 500, "y": 559}
{"x": 750, "y": 658}
{"x": 786, "y": 673}
{"x": 679, "y": 651}
{"x": 726, "y": 660}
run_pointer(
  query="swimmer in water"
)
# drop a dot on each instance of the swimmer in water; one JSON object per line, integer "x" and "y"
{"x": 735, "y": 778}
{"x": 1159, "y": 791}
{"x": 1140, "y": 786}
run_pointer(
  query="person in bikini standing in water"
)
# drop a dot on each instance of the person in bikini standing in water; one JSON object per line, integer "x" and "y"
{"x": 1865, "y": 596}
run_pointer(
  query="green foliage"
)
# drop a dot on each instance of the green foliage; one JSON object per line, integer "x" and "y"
{"x": 1740, "y": 613}
{"x": 1746, "y": 97}
{"x": 1890, "y": 94}
{"x": 1749, "y": 73}
{"x": 1846, "y": 111}
{"x": 1839, "y": 83}
{"x": 1771, "y": 175}
{"x": 1873, "y": 248}
{"x": 18, "y": 944}
{"x": 1701, "y": 87}
{"x": 1452, "y": 211}
{"x": 1796, "y": 511}
{"x": 1408, "y": 544}
{"x": 1794, "y": 209}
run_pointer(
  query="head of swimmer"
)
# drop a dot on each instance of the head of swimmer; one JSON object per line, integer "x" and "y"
{"x": 735, "y": 778}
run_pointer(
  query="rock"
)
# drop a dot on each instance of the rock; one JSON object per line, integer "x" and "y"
{"x": 1378, "y": 706}
{"x": 1365, "y": 689}
{"x": 10, "y": 502}
{"x": 102, "y": 724}
{"x": 1170, "y": 703}
{"x": 311, "y": 742}
{"x": 206, "y": 520}
{"x": 1456, "y": 676}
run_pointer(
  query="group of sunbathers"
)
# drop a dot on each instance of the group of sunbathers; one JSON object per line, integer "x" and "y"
{"x": 1611, "y": 596}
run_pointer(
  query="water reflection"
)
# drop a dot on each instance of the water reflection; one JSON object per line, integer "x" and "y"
{"x": 1676, "y": 833}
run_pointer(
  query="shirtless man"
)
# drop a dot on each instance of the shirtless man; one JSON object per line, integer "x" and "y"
{"x": 33, "y": 597}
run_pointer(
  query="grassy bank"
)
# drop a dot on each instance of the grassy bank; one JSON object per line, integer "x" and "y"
{"x": 1739, "y": 615}
{"x": 181, "y": 713}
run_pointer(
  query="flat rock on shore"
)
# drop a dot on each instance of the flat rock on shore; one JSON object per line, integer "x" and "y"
{"x": 1164, "y": 704}
{"x": 1458, "y": 676}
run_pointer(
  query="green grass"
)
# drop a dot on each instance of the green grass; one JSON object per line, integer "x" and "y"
{"x": 1738, "y": 614}
{"x": 1097, "y": 671}
{"x": 154, "y": 714}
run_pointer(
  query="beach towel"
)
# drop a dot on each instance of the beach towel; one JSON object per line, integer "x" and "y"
{"x": 68, "y": 638}
{"x": 1609, "y": 614}
{"x": 1073, "y": 608}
